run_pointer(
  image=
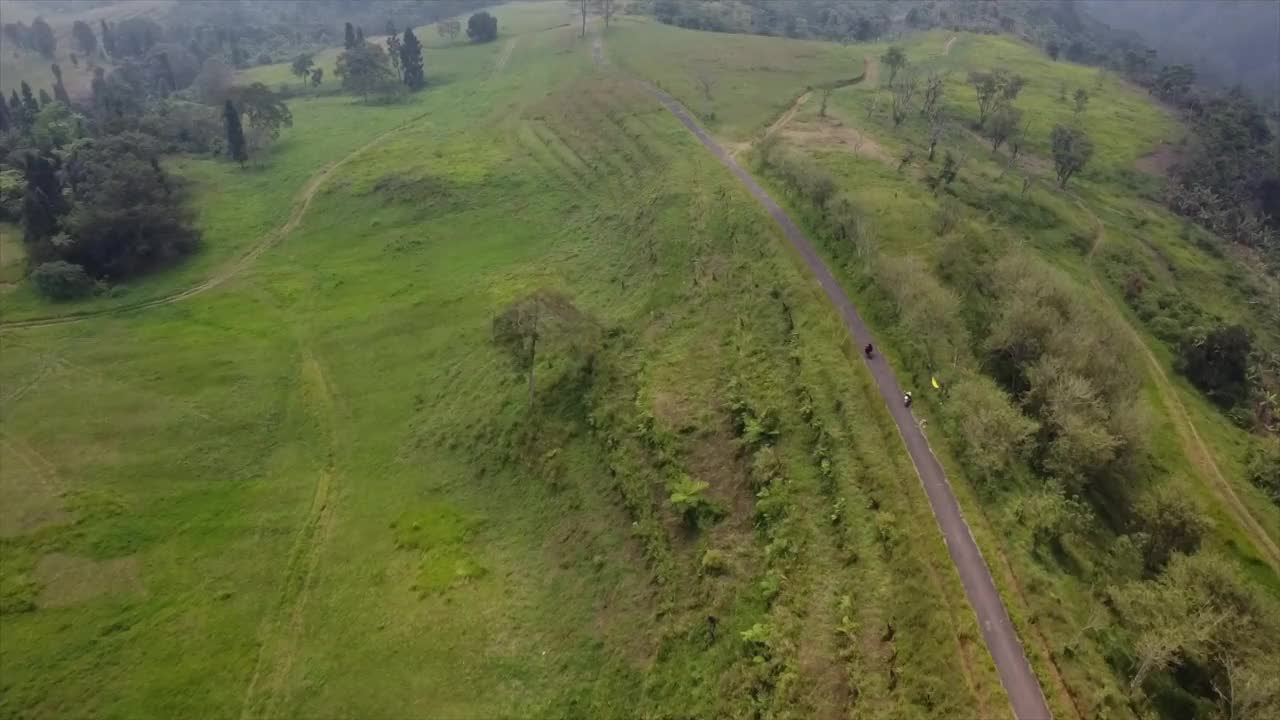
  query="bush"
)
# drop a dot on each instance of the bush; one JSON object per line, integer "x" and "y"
{"x": 1264, "y": 471}
{"x": 714, "y": 563}
{"x": 60, "y": 280}
{"x": 482, "y": 27}
{"x": 1218, "y": 364}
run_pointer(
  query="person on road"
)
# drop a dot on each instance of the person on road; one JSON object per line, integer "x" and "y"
{"x": 906, "y": 399}
{"x": 868, "y": 350}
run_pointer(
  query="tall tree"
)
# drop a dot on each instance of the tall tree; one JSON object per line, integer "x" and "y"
{"x": 583, "y": 5}
{"x": 359, "y": 35}
{"x": 393, "y": 54}
{"x": 18, "y": 111}
{"x": 29, "y": 102}
{"x": 301, "y": 66}
{"x": 411, "y": 61}
{"x": 235, "y": 133}
{"x": 542, "y": 320}
{"x": 108, "y": 39}
{"x": 266, "y": 111}
{"x": 894, "y": 59}
{"x": 59, "y": 90}
{"x": 85, "y": 39}
{"x": 43, "y": 204}
{"x": 350, "y": 36}
{"x": 1072, "y": 149}
{"x": 42, "y": 37}
{"x": 44, "y": 98}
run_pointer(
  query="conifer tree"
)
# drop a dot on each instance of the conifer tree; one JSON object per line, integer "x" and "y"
{"x": 411, "y": 61}
{"x": 235, "y": 133}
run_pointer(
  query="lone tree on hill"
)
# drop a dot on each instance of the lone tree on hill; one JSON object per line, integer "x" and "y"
{"x": 1003, "y": 125}
{"x": 235, "y": 133}
{"x": 302, "y": 67}
{"x": 541, "y": 320}
{"x": 411, "y": 61}
{"x": 482, "y": 27}
{"x": 894, "y": 59}
{"x": 1071, "y": 151}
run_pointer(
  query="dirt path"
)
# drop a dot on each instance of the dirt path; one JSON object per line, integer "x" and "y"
{"x": 870, "y": 71}
{"x": 506, "y": 54}
{"x": 786, "y": 117}
{"x": 1020, "y": 682}
{"x": 267, "y": 689}
{"x": 946, "y": 49}
{"x": 1193, "y": 445}
{"x": 236, "y": 266}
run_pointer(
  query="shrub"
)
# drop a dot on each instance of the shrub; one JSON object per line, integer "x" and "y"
{"x": 688, "y": 497}
{"x": 482, "y": 27}
{"x": 714, "y": 562}
{"x": 60, "y": 280}
{"x": 1264, "y": 471}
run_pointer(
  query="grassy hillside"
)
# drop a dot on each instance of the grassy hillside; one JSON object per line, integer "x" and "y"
{"x": 318, "y": 487}
{"x": 1103, "y": 231}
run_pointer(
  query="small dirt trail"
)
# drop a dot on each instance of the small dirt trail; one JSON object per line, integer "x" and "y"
{"x": 267, "y": 690}
{"x": 1019, "y": 681}
{"x": 786, "y": 117}
{"x": 506, "y": 54}
{"x": 946, "y": 49}
{"x": 870, "y": 71}
{"x": 1193, "y": 446}
{"x": 236, "y": 266}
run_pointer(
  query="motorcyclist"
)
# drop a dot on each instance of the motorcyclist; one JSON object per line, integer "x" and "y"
{"x": 906, "y": 399}
{"x": 868, "y": 350}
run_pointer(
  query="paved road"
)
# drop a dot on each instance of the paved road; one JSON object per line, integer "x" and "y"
{"x": 997, "y": 630}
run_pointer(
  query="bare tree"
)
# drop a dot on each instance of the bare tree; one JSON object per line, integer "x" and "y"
{"x": 605, "y": 8}
{"x": 937, "y": 124}
{"x": 583, "y": 5}
{"x": 934, "y": 84}
{"x": 904, "y": 91}
{"x": 873, "y": 107}
{"x": 826, "y": 95}
{"x": 708, "y": 85}
{"x": 1002, "y": 125}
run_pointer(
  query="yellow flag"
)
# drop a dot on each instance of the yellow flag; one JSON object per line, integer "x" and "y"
{"x": 936, "y": 386}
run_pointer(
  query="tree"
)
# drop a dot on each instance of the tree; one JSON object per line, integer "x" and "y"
{"x": 411, "y": 61}
{"x": 235, "y": 133}
{"x": 85, "y": 39}
{"x": 61, "y": 280}
{"x": 359, "y": 35}
{"x": 482, "y": 27}
{"x": 1174, "y": 82}
{"x": 1003, "y": 125}
{"x": 364, "y": 71}
{"x": 317, "y": 76}
{"x": 42, "y": 38}
{"x": 349, "y": 41}
{"x": 1080, "y": 100}
{"x": 393, "y": 54}
{"x": 903, "y": 91}
{"x": 894, "y": 59}
{"x": 994, "y": 432}
{"x": 934, "y": 84}
{"x": 18, "y": 112}
{"x": 43, "y": 203}
{"x": 994, "y": 88}
{"x": 1072, "y": 150}
{"x": 605, "y": 8}
{"x": 59, "y": 90}
{"x": 44, "y": 98}
{"x": 449, "y": 28}
{"x": 582, "y": 4}
{"x": 125, "y": 215}
{"x": 1052, "y": 49}
{"x": 545, "y": 319}
{"x": 1172, "y": 523}
{"x": 302, "y": 66}
{"x": 1218, "y": 363}
{"x": 108, "y": 39}
{"x": 29, "y": 102}
{"x": 266, "y": 111}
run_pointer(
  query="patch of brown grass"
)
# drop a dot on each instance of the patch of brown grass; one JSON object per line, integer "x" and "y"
{"x": 67, "y": 580}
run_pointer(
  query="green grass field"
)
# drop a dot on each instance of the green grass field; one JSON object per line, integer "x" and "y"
{"x": 317, "y": 488}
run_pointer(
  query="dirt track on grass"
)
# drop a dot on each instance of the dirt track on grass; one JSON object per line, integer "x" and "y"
{"x": 236, "y": 266}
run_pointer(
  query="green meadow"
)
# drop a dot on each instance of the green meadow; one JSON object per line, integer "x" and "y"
{"x": 318, "y": 488}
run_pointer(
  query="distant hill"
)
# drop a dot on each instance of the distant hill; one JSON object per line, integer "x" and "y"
{"x": 1228, "y": 41}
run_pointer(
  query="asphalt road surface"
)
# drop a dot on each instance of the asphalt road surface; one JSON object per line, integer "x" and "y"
{"x": 998, "y": 632}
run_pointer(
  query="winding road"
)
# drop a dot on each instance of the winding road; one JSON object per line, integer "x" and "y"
{"x": 1020, "y": 682}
